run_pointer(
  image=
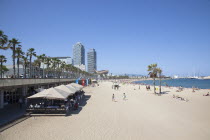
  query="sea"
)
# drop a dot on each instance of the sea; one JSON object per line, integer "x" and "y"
{"x": 187, "y": 83}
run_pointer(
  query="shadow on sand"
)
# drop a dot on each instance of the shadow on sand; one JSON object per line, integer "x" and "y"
{"x": 82, "y": 103}
{"x": 165, "y": 92}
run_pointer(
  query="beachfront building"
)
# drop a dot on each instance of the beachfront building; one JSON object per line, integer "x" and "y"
{"x": 78, "y": 54}
{"x": 82, "y": 67}
{"x": 67, "y": 60}
{"x": 91, "y": 56}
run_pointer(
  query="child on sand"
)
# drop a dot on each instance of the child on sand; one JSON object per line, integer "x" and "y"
{"x": 124, "y": 96}
{"x": 113, "y": 98}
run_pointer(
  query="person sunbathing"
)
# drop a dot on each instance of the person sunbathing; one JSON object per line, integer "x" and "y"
{"x": 206, "y": 94}
{"x": 180, "y": 98}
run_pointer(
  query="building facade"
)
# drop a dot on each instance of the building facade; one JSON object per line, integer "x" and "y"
{"x": 67, "y": 60}
{"x": 78, "y": 54}
{"x": 92, "y": 66}
{"x": 82, "y": 67}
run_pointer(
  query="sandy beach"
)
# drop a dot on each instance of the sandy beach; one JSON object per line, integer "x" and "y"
{"x": 142, "y": 115}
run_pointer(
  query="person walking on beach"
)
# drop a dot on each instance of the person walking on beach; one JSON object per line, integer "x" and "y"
{"x": 124, "y": 96}
{"x": 113, "y": 99}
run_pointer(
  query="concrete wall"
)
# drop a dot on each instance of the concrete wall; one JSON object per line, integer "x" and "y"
{"x": 1, "y": 99}
{"x": 22, "y": 82}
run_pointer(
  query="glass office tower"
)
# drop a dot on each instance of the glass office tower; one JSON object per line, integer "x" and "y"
{"x": 78, "y": 54}
{"x": 91, "y": 61}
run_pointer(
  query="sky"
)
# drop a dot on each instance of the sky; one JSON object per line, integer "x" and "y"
{"x": 128, "y": 35}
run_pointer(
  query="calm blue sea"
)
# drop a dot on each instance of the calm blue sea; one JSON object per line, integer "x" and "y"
{"x": 187, "y": 83}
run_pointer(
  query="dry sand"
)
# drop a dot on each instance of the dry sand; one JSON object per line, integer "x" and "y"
{"x": 142, "y": 116}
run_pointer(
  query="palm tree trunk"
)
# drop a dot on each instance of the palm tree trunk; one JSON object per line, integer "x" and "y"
{"x": 154, "y": 85}
{"x": 13, "y": 59}
{"x": 25, "y": 70}
{"x": 54, "y": 72}
{"x": 43, "y": 72}
{"x": 39, "y": 71}
{"x": 160, "y": 86}
{"x": 18, "y": 63}
{"x": 1, "y": 69}
{"x": 30, "y": 74}
{"x": 47, "y": 70}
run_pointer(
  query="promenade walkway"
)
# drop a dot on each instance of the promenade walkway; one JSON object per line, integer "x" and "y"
{"x": 11, "y": 113}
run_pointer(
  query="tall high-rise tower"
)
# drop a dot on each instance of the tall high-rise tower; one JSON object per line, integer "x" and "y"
{"x": 91, "y": 61}
{"x": 78, "y": 54}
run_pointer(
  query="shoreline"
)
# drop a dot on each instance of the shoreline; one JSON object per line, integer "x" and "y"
{"x": 166, "y": 86}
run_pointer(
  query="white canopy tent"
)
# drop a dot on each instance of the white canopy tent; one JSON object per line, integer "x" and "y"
{"x": 51, "y": 93}
{"x": 77, "y": 86}
{"x": 66, "y": 89}
{"x": 72, "y": 88}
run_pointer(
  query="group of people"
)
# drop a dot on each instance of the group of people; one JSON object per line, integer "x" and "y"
{"x": 115, "y": 86}
{"x": 206, "y": 94}
{"x": 113, "y": 97}
{"x": 148, "y": 87}
{"x": 94, "y": 84}
{"x": 71, "y": 103}
{"x": 74, "y": 102}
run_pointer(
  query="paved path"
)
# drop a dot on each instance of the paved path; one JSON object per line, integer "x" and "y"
{"x": 11, "y": 113}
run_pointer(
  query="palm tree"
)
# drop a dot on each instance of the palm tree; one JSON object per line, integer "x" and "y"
{"x": 31, "y": 52}
{"x": 63, "y": 65}
{"x": 48, "y": 61}
{"x": 68, "y": 70}
{"x": 2, "y": 60}
{"x": 24, "y": 62}
{"x": 4, "y": 69}
{"x": 152, "y": 68}
{"x": 159, "y": 72}
{"x": 19, "y": 55}
{"x": 54, "y": 65}
{"x": 58, "y": 67}
{"x": 3, "y": 40}
{"x": 43, "y": 59}
{"x": 12, "y": 45}
{"x": 37, "y": 64}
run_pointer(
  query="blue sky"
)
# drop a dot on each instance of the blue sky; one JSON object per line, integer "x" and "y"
{"x": 128, "y": 35}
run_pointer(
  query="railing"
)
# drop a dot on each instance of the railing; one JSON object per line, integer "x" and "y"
{"x": 8, "y": 82}
{"x": 47, "y": 110}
